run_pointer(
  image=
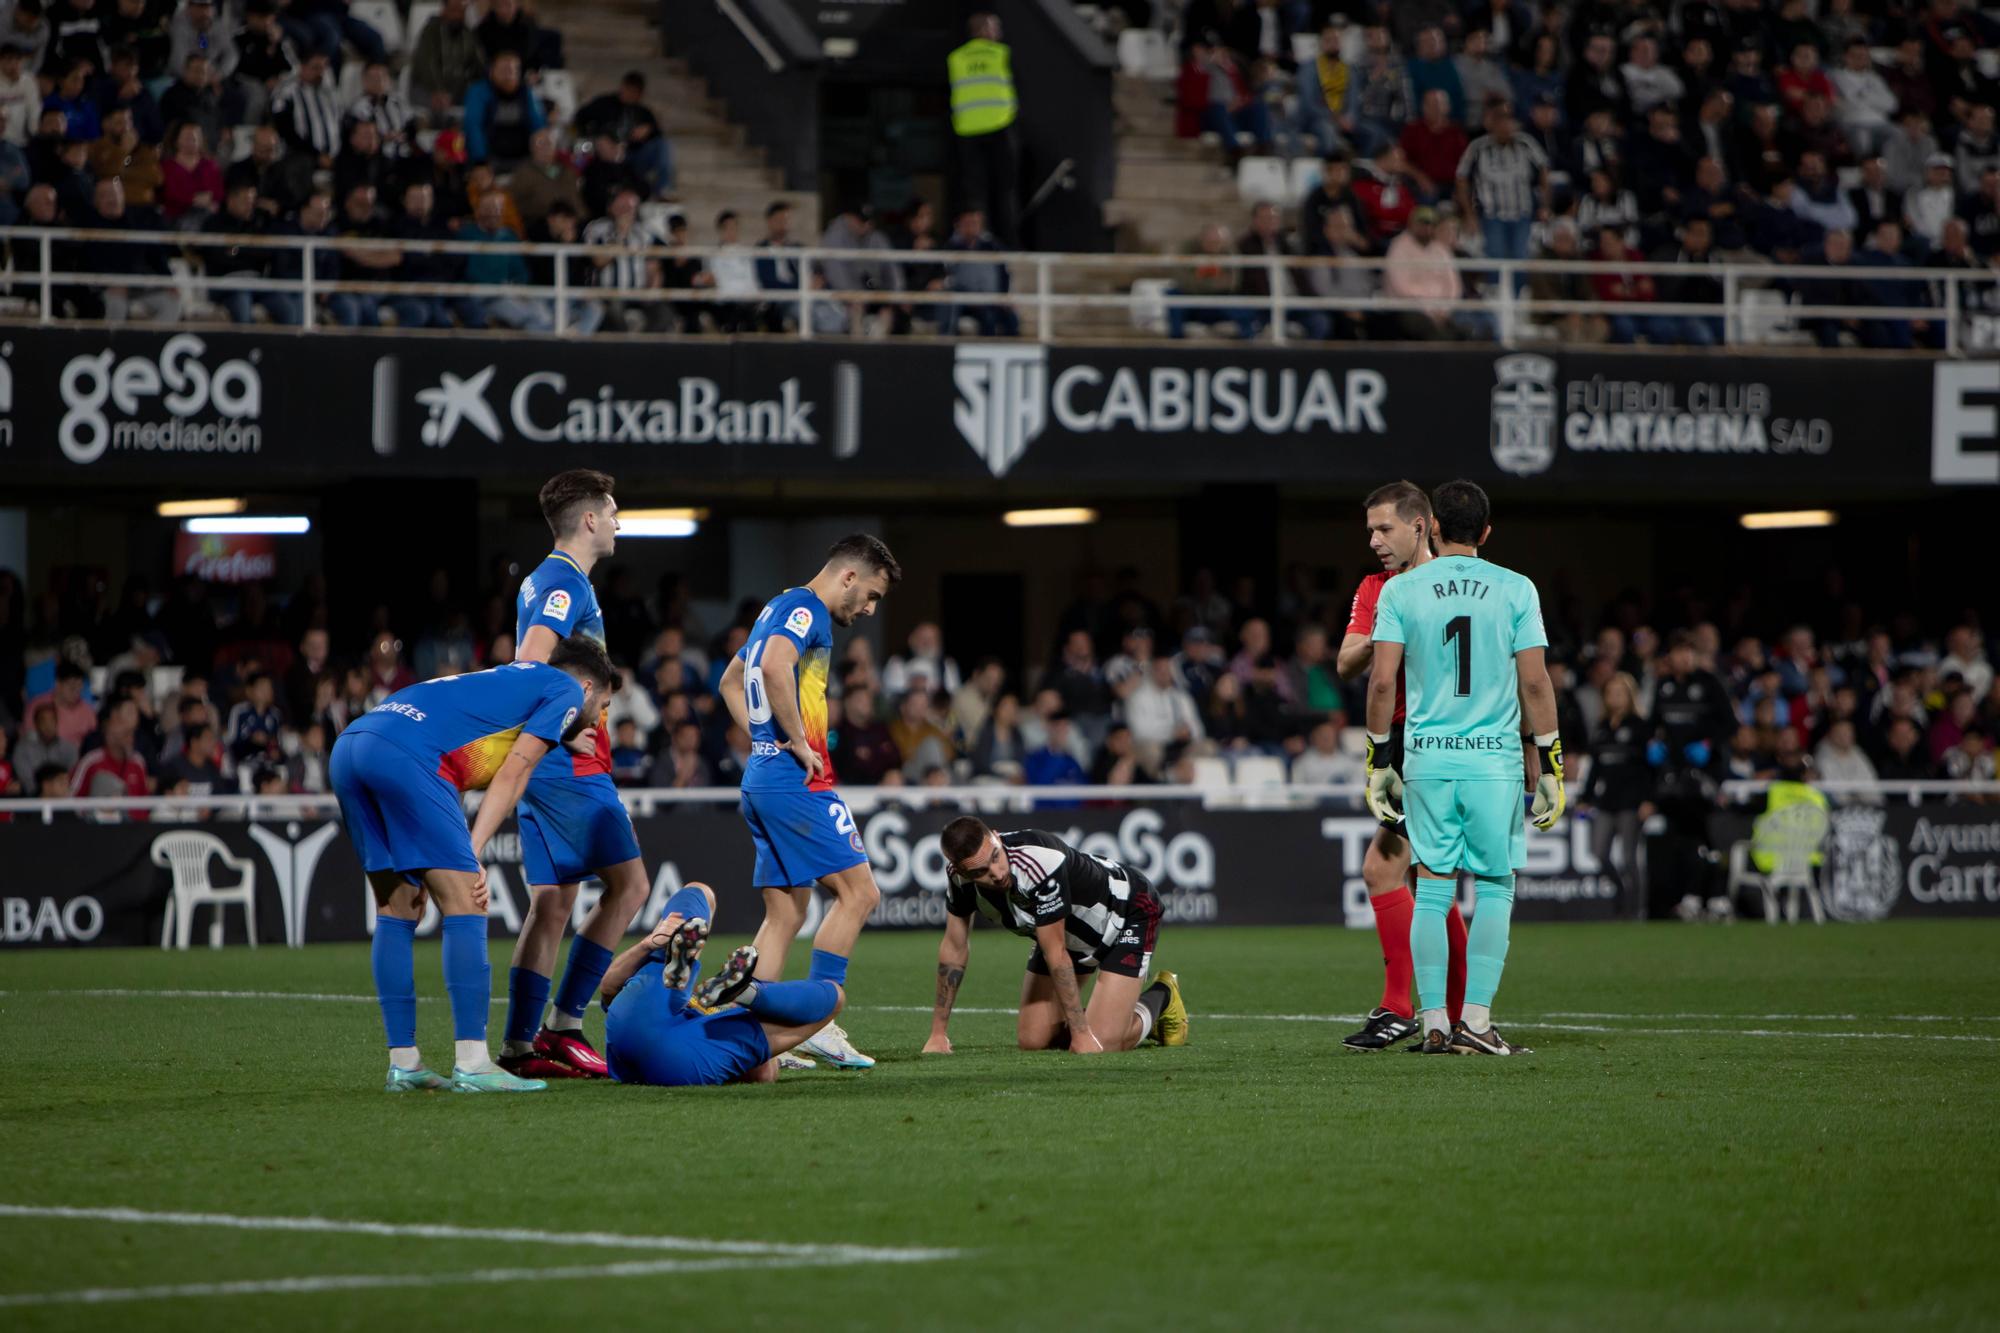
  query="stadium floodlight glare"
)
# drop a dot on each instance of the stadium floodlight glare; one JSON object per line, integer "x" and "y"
{"x": 657, "y": 523}
{"x": 250, "y": 525}
{"x": 199, "y": 508}
{"x": 1789, "y": 518}
{"x": 1048, "y": 518}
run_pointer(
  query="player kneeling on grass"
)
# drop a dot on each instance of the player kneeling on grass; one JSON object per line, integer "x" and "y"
{"x": 397, "y": 771}
{"x": 653, "y": 1034}
{"x": 1085, "y": 914}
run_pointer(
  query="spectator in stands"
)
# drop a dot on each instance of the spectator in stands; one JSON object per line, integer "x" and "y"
{"x": 1118, "y": 763}
{"x": 419, "y": 225}
{"x": 306, "y": 110}
{"x": 731, "y": 273}
{"x": 1818, "y": 197}
{"x": 509, "y": 26}
{"x": 1387, "y": 195}
{"x": 1207, "y": 278}
{"x": 1620, "y": 285}
{"x": 1863, "y": 102}
{"x": 361, "y": 220}
{"x": 545, "y": 180}
{"x": 447, "y": 61}
{"x": 1965, "y": 657}
{"x": 1324, "y": 763}
{"x": 114, "y": 768}
{"x": 1433, "y": 145}
{"x": 384, "y": 108}
{"x": 1340, "y": 239}
{"x": 110, "y": 213}
{"x": 255, "y": 723}
{"x": 191, "y": 181}
{"x": 77, "y": 33}
{"x": 1430, "y": 67}
{"x": 70, "y": 95}
{"x": 265, "y": 58}
{"x": 919, "y": 739}
{"x": 1569, "y": 326}
{"x": 999, "y": 750}
{"x": 562, "y": 226}
{"x": 1162, "y": 714}
{"x": 24, "y": 25}
{"x": 1255, "y": 282}
{"x": 1216, "y": 98}
{"x": 1907, "y": 154}
{"x": 1333, "y": 189}
{"x": 1421, "y": 267}
{"x": 1695, "y": 248}
{"x": 1872, "y": 199}
{"x": 973, "y": 701}
{"x": 283, "y": 180}
{"x": 329, "y": 23}
{"x": 1884, "y": 252}
{"x": 1978, "y": 149}
{"x": 1483, "y": 78}
{"x": 1503, "y": 185}
{"x": 20, "y": 95}
{"x": 1838, "y": 288}
{"x": 1608, "y": 204}
{"x": 863, "y": 749}
{"x": 514, "y": 312}
{"x": 1595, "y": 83}
{"x": 1903, "y": 757}
{"x": 1648, "y": 83}
{"x": 1802, "y": 77}
{"x": 775, "y": 272}
{"x": 1839, "y": 758}
{"x": 622, "y": 227}
{"x": 361, "y": 162}
{"x": 925, "y": 659}
{"x": 1321, "y": 88}
{"x": 995, "y": 319}
{"x": 121, "y": 156}
{"x": 125, "y": 87}
{"x": 1379, "y": 97}
{"x": 1078, "y": 679}
{"x": 680, "y": 271}
{"x": 43, "y": 744}
{"x": 1054, "y": 763}
{"x": 683, "y": 762}
{"x": 501, "y": 114}
{"x": 195, "y": 30}
{"x": 624, "y": 116}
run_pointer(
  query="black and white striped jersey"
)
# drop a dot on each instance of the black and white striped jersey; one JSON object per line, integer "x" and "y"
{"x": 1052, "y": 881}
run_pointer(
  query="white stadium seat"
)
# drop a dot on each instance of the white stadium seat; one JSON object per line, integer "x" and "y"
{"x": 187, "y": 854}
{"x": 1211, "y": 772}
{"x": 1144, "y": 53}
{"x": 1262, "y": 180}
{"x": 382, "y": 16}
{"x": 1149, "y": 305}
{"x": 558, "y": 92}
{"x": 1305, "y": 47}
{"x": 1305, "y": 174}
{"x": 1260, "y": 770}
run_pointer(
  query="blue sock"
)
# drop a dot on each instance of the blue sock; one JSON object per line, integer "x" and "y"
{"x": 527, "y": 997}
{"x": 827, "y": 967}
{"x": 582, "y": 976}
{"x": 1486, "y": 941}
{"x": 394, "y": 960}
{"x": 468, "y": 975}
{"x": 1430, "y": 949}
{"x": 795, "y": 1002}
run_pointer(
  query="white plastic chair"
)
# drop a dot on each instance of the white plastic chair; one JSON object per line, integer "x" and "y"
{"x": 558, "y": 92}
{"x": 1144, "y": 52}
{"x": 1211, "y": 772}
{"x": 1262, "y": 180}
{"x": 1260, "y": 770}
{"x": 381, "y": 15}
{"x": 1149, "y": 305}
{"x": 187, "y": 854}
{"x": 1792, "y": 837}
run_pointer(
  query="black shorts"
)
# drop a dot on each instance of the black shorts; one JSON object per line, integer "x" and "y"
{"x": 1128, "y": 955}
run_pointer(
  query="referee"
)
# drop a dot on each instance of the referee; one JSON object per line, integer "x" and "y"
{"x": 1503, "y": 184}
{"x": 983, "y": 108}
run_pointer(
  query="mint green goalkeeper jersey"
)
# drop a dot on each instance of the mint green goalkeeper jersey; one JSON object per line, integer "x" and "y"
{"x": 1460, "y": 620}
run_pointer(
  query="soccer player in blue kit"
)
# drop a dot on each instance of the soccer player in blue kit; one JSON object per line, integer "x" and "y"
{"x": 653, "y": 1034}
{"x": 572, "y": 823}
{"x": 1468, "y": 636}
{"x": 775, "y": 689}
{"x": 397, "y": 771}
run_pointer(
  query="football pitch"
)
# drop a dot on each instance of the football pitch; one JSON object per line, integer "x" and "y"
{"x": 1721, "y": 1127}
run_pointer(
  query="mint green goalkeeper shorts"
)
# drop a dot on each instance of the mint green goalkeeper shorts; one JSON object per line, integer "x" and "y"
{"x": 1478, "y": 826}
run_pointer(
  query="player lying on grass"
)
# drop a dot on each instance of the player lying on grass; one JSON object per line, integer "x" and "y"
{"x": 1085, "y": 914}
{"x": 655, "y": 1035}
{"x": 397, "y": 771}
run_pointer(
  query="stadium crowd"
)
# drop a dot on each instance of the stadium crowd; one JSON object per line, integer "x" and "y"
{"x": 1857, "y": 137}
{"x": 1133, "y": 692}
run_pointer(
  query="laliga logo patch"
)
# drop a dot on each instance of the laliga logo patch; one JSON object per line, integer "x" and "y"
{"x": 557, "y": 607}
{"x": 568, "y": 718}
{"x": 799, "y": 621}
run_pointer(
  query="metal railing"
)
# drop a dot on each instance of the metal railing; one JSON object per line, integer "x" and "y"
{"x": 1043, "y": 288}
{"x": 988, "y": 797}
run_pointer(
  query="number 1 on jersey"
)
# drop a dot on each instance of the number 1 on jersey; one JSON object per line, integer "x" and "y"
{"x": 1460, "y": 628}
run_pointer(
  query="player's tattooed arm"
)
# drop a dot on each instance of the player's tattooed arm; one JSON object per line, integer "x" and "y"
{"x": 1069, "y": 995}
{"x": 953, "y": 954}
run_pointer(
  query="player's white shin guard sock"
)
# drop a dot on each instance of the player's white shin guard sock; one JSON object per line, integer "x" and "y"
{"x": 1145, "y": 1023}
{"x": 562, "y": 1022}
{"x": 1478, "y": 1017}
{"x": 473, "y": 1056}
{"x": 405, "y": 1057}
{"x": 1437, "y": 1020}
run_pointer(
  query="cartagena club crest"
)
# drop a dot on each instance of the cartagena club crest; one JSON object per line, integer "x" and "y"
{"x": 1865, "y": 870}
{"x": 1524, "y": 413}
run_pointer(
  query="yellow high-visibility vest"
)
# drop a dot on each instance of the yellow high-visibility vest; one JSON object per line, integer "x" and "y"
{"x": 982, "y": 88}
{"x": 1764, "y": 837}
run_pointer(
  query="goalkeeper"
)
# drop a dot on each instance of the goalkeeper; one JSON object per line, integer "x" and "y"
{"x": 1468, "y": 636}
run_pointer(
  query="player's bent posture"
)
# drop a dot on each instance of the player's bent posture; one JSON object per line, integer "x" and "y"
{"x": 397, "y": 771}
{"x": 1469, "y": 636}
{"x": 572, "y": 823}
{"x": 1085, "y": 914}
{"x": 803, "y": 833}
{"x": 654, "y": 1034}
{"x": 1399, "y": 533}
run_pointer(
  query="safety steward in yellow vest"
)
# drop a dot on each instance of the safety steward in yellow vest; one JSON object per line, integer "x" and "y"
{"x": 983, "y": 108}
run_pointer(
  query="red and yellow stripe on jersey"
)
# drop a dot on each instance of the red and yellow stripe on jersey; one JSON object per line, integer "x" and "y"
{"x": 813, "y": 670}
{"x": 472, "y": 765}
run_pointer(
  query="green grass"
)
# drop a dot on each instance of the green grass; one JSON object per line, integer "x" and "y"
{"x": 1625, "y": 1179}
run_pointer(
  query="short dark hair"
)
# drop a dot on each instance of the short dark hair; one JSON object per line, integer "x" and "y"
{"x": 68, "y": 670}
{"x": 195, "y": 732}
{"x": 962, "y": 837}
{"x": 567, "y": 495}
{"x": 775, "y": 207}
{"x": 1463, "y": 512}
{"x": 634, "y": 79}
{"x": 561, "y": 208}
{"x": 865, "y": 552}
{"x": 581, "y": 655}
{"x": 1408, "y": 497}
{"x": 726, "y": 216}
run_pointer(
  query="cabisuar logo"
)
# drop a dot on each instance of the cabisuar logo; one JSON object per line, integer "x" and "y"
{"x": 1006, "y": 396}
{"x": 541, "y": 408}
{"x": 187, "y": 389}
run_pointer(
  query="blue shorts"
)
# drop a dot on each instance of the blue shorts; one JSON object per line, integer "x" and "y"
{"x": 1466, "y": 824}
{"x": 572, "y": 827}
{"x": 801, "y": 837}
{"x": 651, "y": 1036}
{"x": 399, "y": 816}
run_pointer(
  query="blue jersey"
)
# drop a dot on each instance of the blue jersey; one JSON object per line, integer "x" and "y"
{"x": 557, "y": 594}
{"x": 463, "y": 726}
{"x": 798, "y": 615}
{"x": 1460, "y": 620}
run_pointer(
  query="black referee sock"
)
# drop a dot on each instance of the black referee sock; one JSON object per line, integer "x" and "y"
{"x": 1154, "y": 999}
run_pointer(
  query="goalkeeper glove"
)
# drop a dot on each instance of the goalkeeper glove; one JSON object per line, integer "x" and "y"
{"x": 1548, "y": 803}
{"x": 1385, "y": 784}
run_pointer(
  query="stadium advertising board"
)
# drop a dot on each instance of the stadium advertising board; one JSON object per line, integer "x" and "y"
{"x": 95, "y": 406}
{"x": 79, "y": 883}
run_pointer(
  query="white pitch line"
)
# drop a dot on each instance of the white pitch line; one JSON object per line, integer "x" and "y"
{"x": 1792, "y": 1018}
{"x": 293, "y": 1286}
{"x": 444, "y": 1231}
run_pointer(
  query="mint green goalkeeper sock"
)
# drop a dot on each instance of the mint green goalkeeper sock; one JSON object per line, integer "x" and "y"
{"x": 1430, "y": 948}
{"x": 1486, "y": 941}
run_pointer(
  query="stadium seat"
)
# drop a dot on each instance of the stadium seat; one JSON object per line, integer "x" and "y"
{"x": 187, "y": 854}
{"x": 558, "y": 92}
{"x": 1305, "y": 174}
{"x": 1305, "y": 47}
{"x": 349, "y": 85}
{"x": 1354, "y": 741}
{"x": 1211, "y": 773}
{"x": 1789, "y": 839}
{"x": 381, "y": 15}
{"x": 1766, "y": 318}
{"x": 242, "y": 140}
{"x": 100, "y": 681}
{"x": 1262, "y": 180}
{"x": 1149, "y": 305}
{"x": 165, "y": 684}
{"x": 1260, "y": 770}
{"x": 1144, "y": 53}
